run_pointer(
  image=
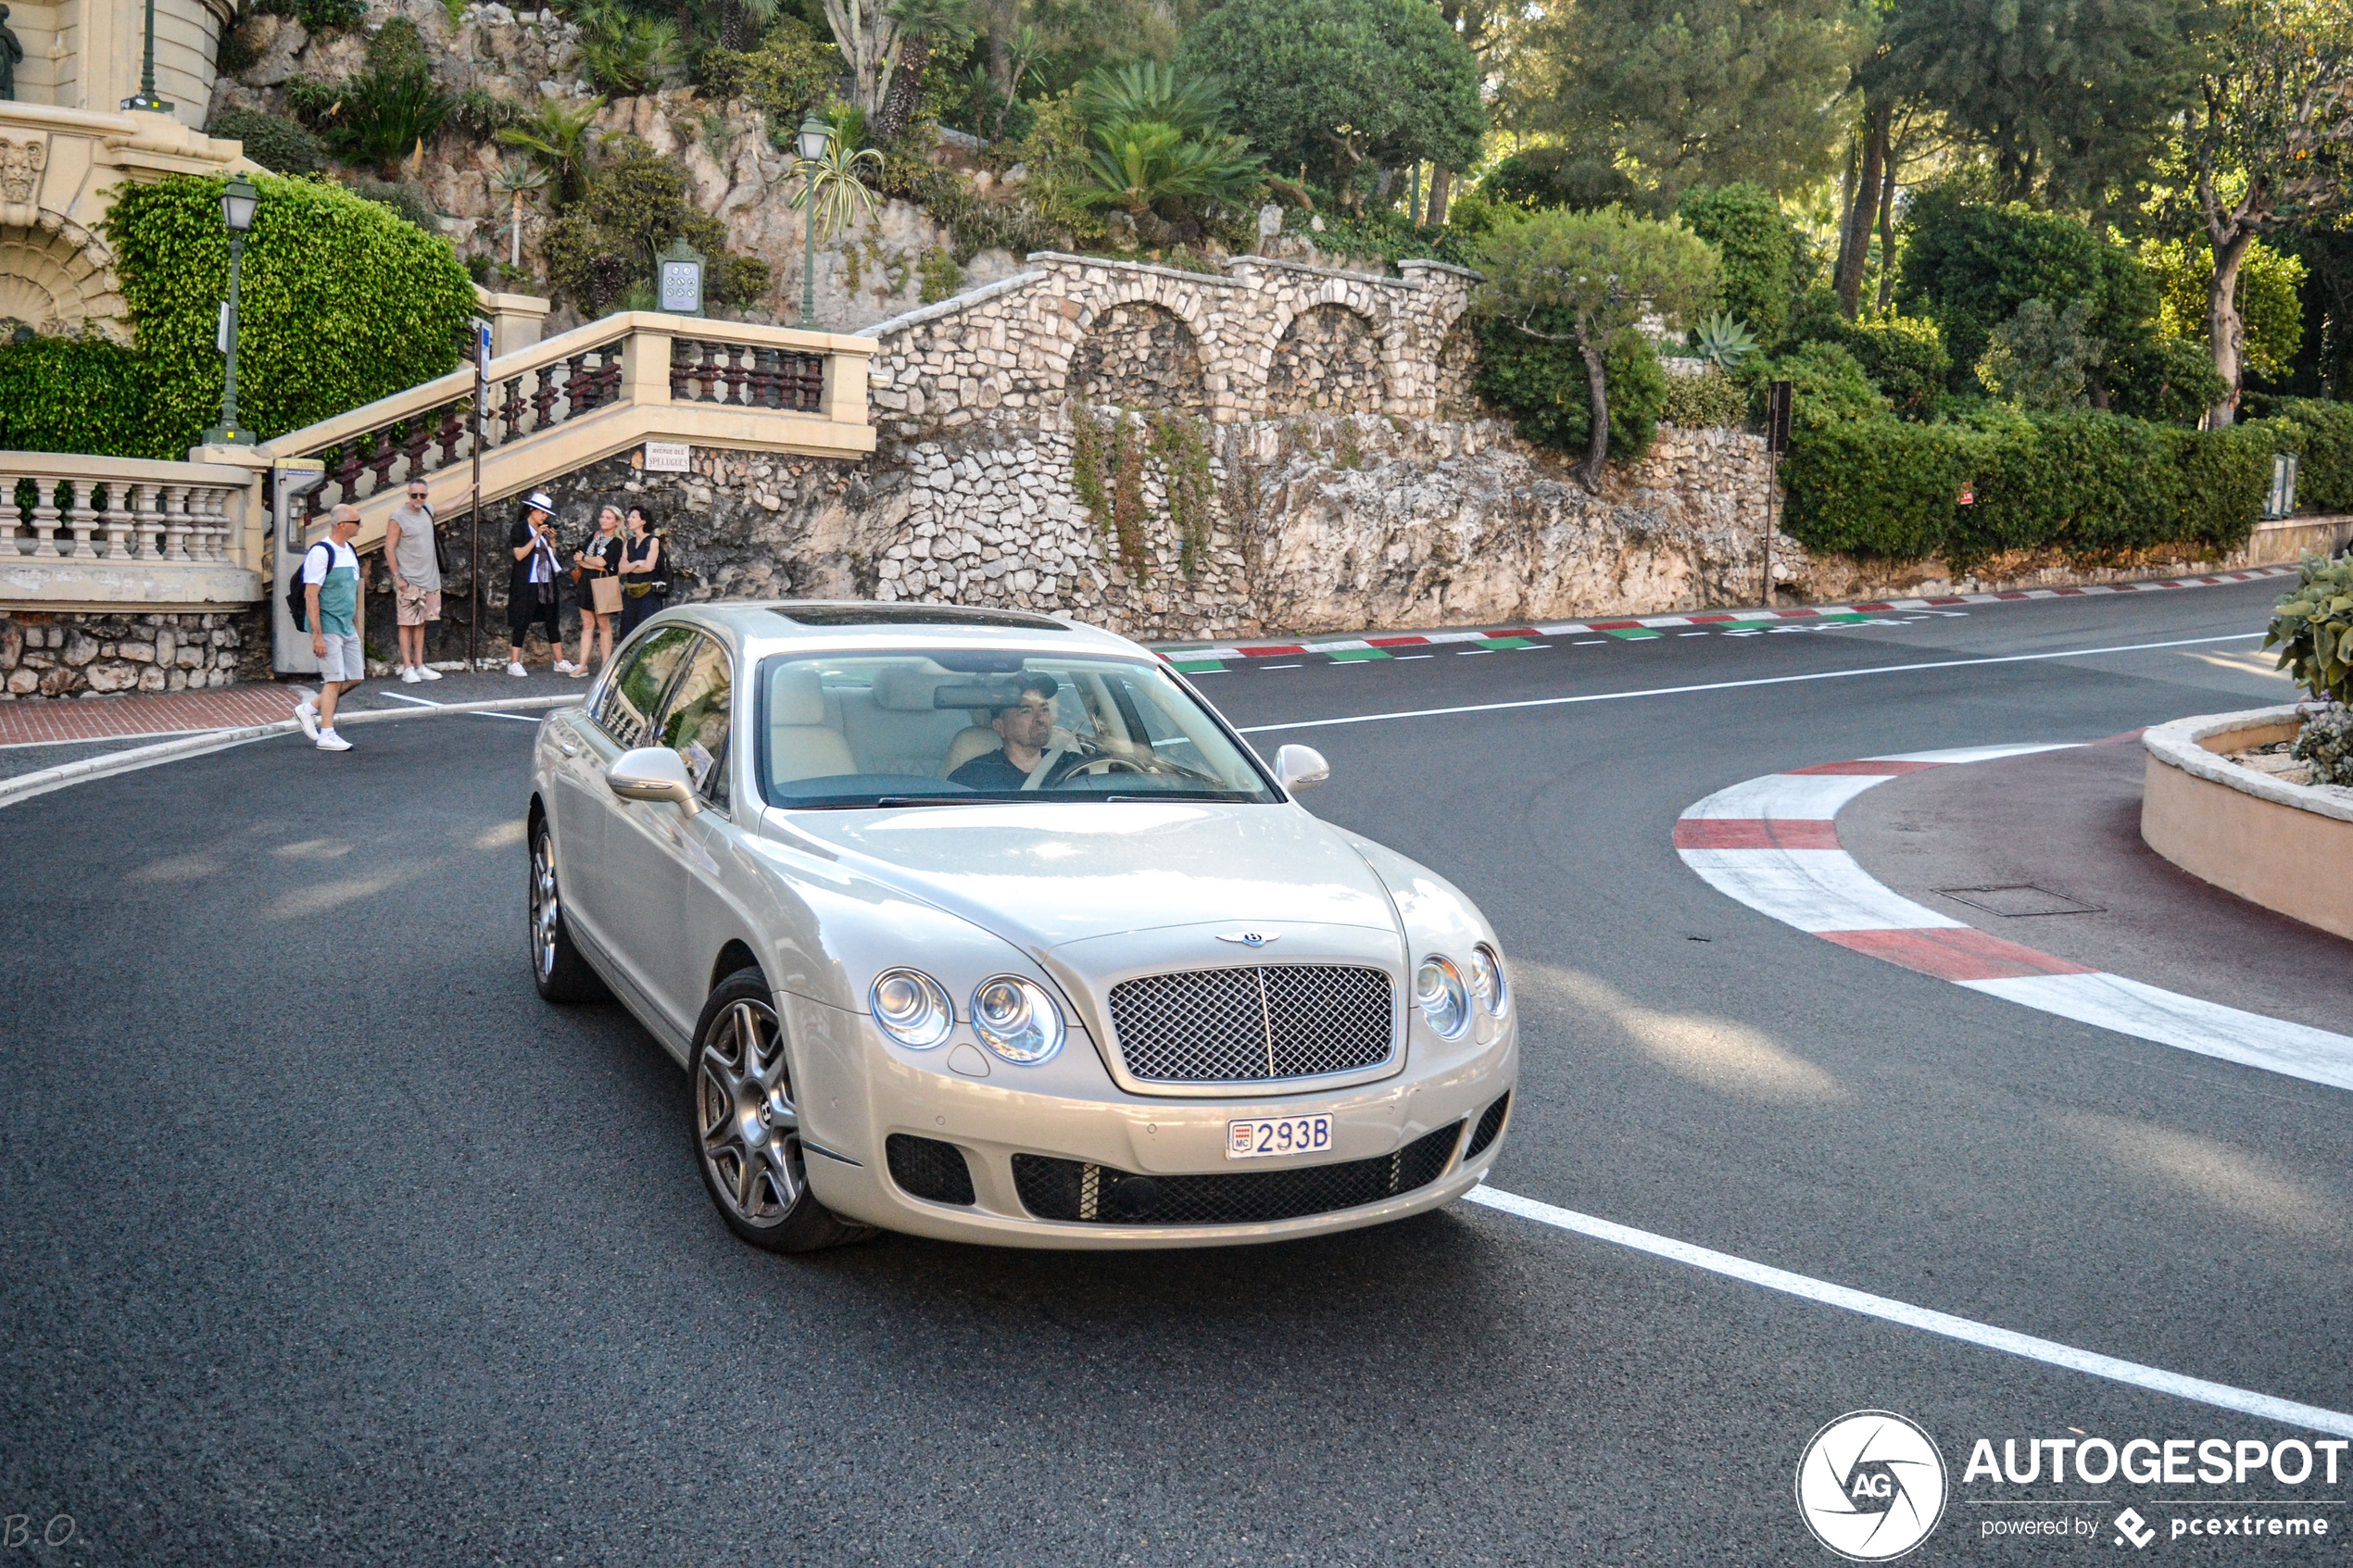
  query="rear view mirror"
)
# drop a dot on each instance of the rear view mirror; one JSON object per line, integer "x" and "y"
{"x": 1296, "y": 767}
{"x": 651, "y": 772}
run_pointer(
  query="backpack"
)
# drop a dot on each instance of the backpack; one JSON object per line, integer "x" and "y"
{"x": 297, "y": 596}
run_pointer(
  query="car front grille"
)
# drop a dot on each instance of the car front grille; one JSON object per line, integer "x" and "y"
{"x": 1490, "y": 1122}
{"x": 929, "y": 1169}
{"x": 1253, "y": 1024}
{"x": 1072, "y": 1189}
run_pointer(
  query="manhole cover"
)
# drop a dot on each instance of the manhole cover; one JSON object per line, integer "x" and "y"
{"x": 2020, "y": 899}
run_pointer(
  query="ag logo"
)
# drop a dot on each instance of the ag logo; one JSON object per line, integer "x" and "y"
{"x": 1871, "y": 1486}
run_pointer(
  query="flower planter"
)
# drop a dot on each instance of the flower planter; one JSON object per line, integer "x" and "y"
{"x": 2286, "y": 846}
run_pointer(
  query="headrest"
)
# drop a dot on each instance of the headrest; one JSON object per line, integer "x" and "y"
{"x": 904, "y": 691}
{"x": 991, "y": 696}
{"x": 796, "y": 697}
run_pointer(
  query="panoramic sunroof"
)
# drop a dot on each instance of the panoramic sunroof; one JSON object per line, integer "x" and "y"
{"x": 914, "y": 615}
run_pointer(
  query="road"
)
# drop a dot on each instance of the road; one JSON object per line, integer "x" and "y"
{"x": 326, "y": 1242}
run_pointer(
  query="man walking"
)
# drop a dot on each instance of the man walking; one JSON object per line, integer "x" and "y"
{"x": 416, "y": 581}
{"x": 330, "y": 594}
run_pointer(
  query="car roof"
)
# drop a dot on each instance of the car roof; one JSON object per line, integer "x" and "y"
{"x": 759, "y": 626}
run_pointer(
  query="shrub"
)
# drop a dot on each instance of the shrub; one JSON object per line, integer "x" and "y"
{"x": 2324, "y": 466}
{"x": 625, "y": 54}
{"x": 2171, "y": 379}
{"x": 1558, "y": 177}
{"x": 1758, "y": 250}
{"x": 1709, "y": 398}
{"x": 384, "y": 116}
{"x": 2042, "y": 358}
{"x": 635, "y": 206}
{"x": 316, "y": 15}
{"x": 342, "y": 303}
{"x": 481, "y": 114}
{"x": 1904, "y": 356}
{"x": 2225, "y": 476}
{"x": 403, "y": 197}
{"x": 72, "y": 395}
{"x": 1543, "y": 386}
{"x": 791, "y": 69}
{"x": 1876, "y": 487}
{"x": 272, "y": 141}
{"x": 1827, "y": 382}
{"x": 2313, "y": 627}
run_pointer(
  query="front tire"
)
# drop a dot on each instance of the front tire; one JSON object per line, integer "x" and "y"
{"x": 557, "y": 967}
{"x": 747, "y": 1125}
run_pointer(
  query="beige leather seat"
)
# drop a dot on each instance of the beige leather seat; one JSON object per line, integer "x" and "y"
{"x": 978, "y": 740}
{"x": 800, "y": 744}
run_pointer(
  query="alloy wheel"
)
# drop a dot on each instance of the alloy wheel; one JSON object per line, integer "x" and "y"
{"x": 749, "y": 1130}
{"x": 547, "y": 905}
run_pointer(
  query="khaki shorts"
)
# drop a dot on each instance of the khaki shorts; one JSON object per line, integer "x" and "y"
{"x": 343, "y": 660}
{"x": 414, "y": 606}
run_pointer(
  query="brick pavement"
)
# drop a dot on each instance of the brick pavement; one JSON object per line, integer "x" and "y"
{"x": 160, "y": 713}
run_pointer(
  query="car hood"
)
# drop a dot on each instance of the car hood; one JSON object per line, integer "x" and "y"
{"x": 1044, "y": 875}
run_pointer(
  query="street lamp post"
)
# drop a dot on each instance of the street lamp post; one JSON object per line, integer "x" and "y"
{"x": 815, "y": 135}
{"x": 145, "y": 98}
{"x": 239, "y": 201}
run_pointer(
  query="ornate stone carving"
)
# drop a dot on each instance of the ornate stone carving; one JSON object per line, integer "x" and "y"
{"x": 20, "y": 167}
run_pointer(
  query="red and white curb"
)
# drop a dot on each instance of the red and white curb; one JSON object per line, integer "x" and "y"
{"x": 1771, "y": 842}
{"x": 1642, "y": 625}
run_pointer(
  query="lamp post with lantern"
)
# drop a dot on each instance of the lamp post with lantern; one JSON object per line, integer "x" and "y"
{"x": 239, "y": 201}
{"x": 814, "y": 137}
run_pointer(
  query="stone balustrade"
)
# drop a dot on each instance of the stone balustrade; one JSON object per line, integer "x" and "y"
{"x": 126, "y": 533}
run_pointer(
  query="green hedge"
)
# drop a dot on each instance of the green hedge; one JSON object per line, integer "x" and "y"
{"x": 2322, "y": 440}
{"x": 342, "y": 303}
{"x": 2086, "y": 484}
{"x": 1544, "y": 388}
{"x": 72, "y": 395}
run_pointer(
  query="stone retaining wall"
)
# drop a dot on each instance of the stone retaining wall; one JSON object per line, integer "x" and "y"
{"x": 61, "y": 655}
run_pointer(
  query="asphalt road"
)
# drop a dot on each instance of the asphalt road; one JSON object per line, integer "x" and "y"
{"x": 325, "y": 1242}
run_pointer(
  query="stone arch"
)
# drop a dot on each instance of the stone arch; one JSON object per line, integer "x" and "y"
{"x": 1328, "y": 358}
{"x": 1139, "y": 354}
{"x": 58, "y": 278}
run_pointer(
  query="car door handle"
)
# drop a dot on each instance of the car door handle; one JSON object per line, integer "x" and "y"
{"x": 567, "y": 747}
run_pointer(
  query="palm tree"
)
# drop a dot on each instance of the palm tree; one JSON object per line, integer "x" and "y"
{"x": 920, "y": 22}
{"x": 518, "y": 180}
{"x": 557, "y": 135}
{"x": 1145, "y": 90}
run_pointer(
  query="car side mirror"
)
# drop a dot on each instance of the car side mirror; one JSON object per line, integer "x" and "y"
{"x": 1296, "y": 767}
{"x": 653, "y": 773}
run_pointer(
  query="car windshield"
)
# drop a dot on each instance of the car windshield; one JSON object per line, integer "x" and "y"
{"x": 896, "y": 729}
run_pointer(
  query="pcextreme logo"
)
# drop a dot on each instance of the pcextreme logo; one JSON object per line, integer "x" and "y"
{"x": 1871, "y": 1486}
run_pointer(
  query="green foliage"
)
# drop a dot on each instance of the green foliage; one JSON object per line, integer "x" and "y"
{"x": 1559, "y": 177}
{"x": 2324, "y": 449}
{"x": 2087, "y": 483}
{"x": 1543, "y": 387}
{"x": 73, "y": 395}
{"x": 559, "y": 135}
{"x": 1149, "y": 91}
{"x": 2040, "y": 359}
{"x": 482, "y": 113}
{"x": 834, "y": 187}
{"x": 634, "y": 207}
{"x": 1182, "y": 447}
{"x": 2270, "y": 309}
{"x": 401, "y": 197}
{"x": 1691, "y": 92}
{"x": 1757, "y": 245}
{"x": 939, "y": 275}
{"x": 1827, "y": 383}
{"x": 2313, "y": 627}
{"x": 316, "y": 15}
{"x": 2171, "y": 379}
{"x": 342, "y": 303}
{"x": 384, "y": 116}
{"x": 791, "y": 69}
{"x": 1336, "y": 84}
{"x": 1969, "y": 265}
{"x": 1904, "y": 356}
{"x": 1145, "y": 168}
{"x": 1724, "y": 341}
{"x": 277, "y": 143}
{"x": 626, "y": 53}
{"x": 1709, "y": 398}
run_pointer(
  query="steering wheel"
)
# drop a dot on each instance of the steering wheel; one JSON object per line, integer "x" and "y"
{"x": 1081, "y": 762}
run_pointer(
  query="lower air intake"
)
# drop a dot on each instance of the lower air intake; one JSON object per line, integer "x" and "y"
{"x": 1490, "y": 1122}
{"x": 928, "y": 1169}
{"x": 1071, "y": 1189}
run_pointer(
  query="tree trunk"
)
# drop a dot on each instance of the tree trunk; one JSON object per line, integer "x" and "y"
{"x": 2225, "y": 331}
{"x": 1442, "y": 184}
{"x": 866, "y": 33}
{"x": 1887, "y": 235}
{"x": 1846, "y": 207}
{"x": 1855, "y": 245}
{"x": 1589, "y": 473}
{"x": 906, "y": 93}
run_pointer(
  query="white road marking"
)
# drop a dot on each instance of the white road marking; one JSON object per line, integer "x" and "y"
{"x": 1736, "y": 686}
{"x": 1401, "y": 658}
{"x": 1591, "y": 643}
{"x": 1815, "y": 890}
{"x": 2221, "y": 1396}
{"x": 2190, "y": 1023}
{"x": 420, "y": 702}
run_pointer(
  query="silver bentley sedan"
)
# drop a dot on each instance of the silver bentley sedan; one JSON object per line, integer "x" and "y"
{"x": 982, "y": 925}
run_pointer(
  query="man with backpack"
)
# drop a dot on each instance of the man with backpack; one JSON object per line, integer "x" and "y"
{"x": 331, "y": 598}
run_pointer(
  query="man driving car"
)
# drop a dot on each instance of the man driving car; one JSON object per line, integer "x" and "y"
{"x": 1025, "y": 727}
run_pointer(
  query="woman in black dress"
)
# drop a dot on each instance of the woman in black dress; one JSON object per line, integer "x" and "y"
{"x": 533, "y": 594}
{"x": 644, "y": 576}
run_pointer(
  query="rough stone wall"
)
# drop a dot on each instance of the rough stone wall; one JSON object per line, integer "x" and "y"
{"x": 85, "y": 655}
{"x": 1327, "y": 362}
{"x": 1140, "y": 355}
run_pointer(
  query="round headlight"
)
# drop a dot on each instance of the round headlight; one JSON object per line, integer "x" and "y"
{"x": 1487, "y": 979}
{"x": 1016, "y": 1019}
{"x": 912, "y": 1006}
{"x": 1438, "y": 988}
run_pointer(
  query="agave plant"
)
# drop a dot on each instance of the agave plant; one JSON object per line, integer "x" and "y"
{"x": 1724, "y": 340}
{"x": 834, "y": 186}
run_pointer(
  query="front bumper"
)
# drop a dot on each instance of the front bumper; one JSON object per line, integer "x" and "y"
{"x": 855, "y": 1093}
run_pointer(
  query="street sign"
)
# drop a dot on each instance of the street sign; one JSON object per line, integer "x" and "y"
{"x": 482, "y": 353}
{"x": 1968, "y": 497}
{"x": 667, "y": 457}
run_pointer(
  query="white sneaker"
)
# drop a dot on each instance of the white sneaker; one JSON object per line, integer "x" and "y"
{"x": 516, "y": 670}
{"x": 307, "y": 716}
{"x": 409, "y": 677}
{"x": 427, "y": 673}
{"x": 329, "y": 741}
{"x": 564, "y": 667}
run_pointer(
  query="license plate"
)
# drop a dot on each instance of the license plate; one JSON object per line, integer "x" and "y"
{"x": 1267, "y": 1137}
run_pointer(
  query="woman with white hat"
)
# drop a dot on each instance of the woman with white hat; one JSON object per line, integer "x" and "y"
{"x": 533, "y": 594}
